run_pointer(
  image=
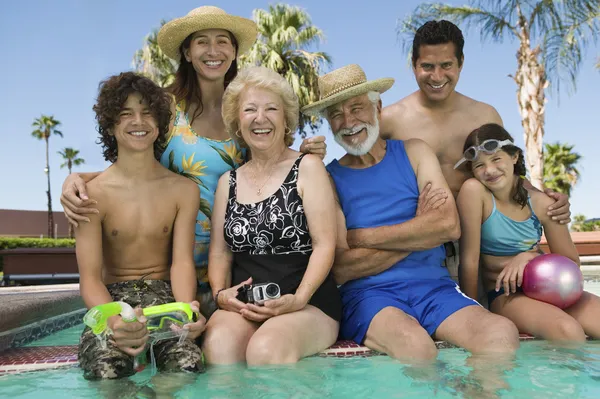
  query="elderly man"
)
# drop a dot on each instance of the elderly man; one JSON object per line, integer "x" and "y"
{"x": 395, "y": 292}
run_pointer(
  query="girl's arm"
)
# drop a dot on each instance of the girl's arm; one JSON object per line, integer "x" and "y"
{"x": 470, "y": 210}
{"x": 557, "y": 234}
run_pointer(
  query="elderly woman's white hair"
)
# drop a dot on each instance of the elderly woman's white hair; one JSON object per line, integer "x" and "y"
{"x": 262, "y": 78}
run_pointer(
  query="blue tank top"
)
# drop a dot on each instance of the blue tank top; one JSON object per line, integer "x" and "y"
{"x": 203, "y": 161}
{"x": 381, "y": 195}
{"x": 503, "y": 236}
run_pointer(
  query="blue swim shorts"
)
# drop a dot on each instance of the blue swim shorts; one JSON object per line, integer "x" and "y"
{"x": 429, "y": 301}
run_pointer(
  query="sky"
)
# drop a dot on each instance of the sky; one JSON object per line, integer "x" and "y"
{"x": 56, "y": 52}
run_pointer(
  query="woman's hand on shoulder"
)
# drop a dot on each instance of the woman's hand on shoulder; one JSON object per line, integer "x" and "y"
{"x": 75, "y": 201}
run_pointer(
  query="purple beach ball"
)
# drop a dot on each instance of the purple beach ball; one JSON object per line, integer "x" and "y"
{"x": 553, "y": 279}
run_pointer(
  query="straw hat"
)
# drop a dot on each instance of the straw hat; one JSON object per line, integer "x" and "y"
{"x": 342, "y": 84}
{"x": 174, "y": 32}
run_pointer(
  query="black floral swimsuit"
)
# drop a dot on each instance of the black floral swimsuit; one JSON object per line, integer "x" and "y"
{"x": 270, "y": 242}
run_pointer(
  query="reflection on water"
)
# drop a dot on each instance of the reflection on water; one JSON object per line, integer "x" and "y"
{"x": 540, "y": 370}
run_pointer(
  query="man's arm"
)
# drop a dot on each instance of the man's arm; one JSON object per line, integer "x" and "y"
{"x": 90, "y": 262}
{"x": 350, "y": 264}
{"x": 425, "y": 231}
{"x": 183, "y": 273}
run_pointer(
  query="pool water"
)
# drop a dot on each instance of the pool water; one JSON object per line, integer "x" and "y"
{"x": 539, "y": 370}
{"x": 68, "y": 336}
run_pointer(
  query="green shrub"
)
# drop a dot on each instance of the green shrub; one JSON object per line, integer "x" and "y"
{"x": 13, "y": 242}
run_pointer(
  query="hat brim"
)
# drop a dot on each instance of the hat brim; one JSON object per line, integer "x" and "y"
{"x": 378, "y": 85}
{"x": 174, "y": 32}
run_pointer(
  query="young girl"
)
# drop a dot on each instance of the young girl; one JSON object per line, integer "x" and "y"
{"x": 502, "y": 221}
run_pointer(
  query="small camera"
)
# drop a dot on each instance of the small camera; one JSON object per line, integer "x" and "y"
{"x": 258, "y": 293}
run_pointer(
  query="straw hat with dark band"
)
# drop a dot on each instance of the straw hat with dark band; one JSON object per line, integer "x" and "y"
{"x": 342, "y": 84}
{"x": 174, "y": 32}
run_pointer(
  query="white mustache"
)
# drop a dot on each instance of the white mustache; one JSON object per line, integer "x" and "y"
{"x": 353, "y": 130}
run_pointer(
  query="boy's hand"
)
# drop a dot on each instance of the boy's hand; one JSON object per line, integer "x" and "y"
{"x": 196, "y": 328}
{"x": 130, "y": 337}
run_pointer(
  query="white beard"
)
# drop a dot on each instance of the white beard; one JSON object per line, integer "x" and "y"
{"x": 360, "y": 148}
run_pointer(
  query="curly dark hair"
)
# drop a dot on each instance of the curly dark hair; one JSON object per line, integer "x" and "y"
{"x": 113, "y": 93}
{"x": 438, "y": 32}
{"x": 186, "y": 87}
{"x": 495, "y": 131}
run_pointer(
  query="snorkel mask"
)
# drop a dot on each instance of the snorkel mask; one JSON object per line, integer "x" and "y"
{"x": 163, "y": 321}
{"x": 490, "y": 146}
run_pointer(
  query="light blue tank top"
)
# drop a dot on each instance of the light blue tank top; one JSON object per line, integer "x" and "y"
{"x": 203, "y": 161}
{"x": 503, "y": 236}
{"x": 381, "y": 195}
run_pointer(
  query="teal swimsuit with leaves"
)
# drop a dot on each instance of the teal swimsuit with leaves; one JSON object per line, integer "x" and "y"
{"x": 203, "y": 161}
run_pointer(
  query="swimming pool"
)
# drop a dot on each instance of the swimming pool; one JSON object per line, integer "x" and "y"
{"x": 538, "y": 371}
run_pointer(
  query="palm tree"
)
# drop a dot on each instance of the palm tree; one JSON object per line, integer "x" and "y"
{"x": 560, "y": 167}
{"x": 285, "y": 34}
{"x": 45, "y": 127}
{"x": 581, "y": 223}
{"x": 551, "y": 34}
{"x": 153, "y": 63}
{"x": 70, "y": 157}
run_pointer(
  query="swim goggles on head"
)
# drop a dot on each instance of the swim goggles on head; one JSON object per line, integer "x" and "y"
{"x": 489, "y": 147}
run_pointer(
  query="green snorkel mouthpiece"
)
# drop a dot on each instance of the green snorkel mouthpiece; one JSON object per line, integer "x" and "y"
{"x": 97, "y": 317}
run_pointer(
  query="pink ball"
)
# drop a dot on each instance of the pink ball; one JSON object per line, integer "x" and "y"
{"x": 553, "y": 279}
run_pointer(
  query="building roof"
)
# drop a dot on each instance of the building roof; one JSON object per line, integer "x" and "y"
{"x": 19, "y": 223}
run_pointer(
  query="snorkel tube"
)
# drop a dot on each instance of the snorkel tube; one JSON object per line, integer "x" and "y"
{"x": 97, "y": 318}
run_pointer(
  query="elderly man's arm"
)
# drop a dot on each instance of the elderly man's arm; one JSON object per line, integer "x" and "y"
{"x": 350, "y": 264}
{"x": 426, "y": 230}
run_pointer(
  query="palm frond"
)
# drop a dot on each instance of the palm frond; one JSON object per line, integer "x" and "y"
{"x": 563, "y": 46}
{"x": 150, "y": 61}
{"x": 286, "y": 38}
{"x": 45, "y": 126}
{"x": 492, "y": 24}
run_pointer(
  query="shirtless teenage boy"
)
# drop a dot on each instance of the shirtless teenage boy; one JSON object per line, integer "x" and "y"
{"x": 138, "y": 247}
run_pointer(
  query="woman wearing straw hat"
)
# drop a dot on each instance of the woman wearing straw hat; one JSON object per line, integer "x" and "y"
{"x": 273, "y": 222}
{"x": 206, "y": 43}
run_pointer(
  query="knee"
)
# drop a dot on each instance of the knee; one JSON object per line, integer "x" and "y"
{"x": 222, "y": 344}
{"x": 174, "y": 357}
{"x": 266, "y": 348}
{"x": 108, "y": 370}
{"x": 568, "y": 330}
{"x": 416, "y": 347}
{"x": 406, "y": 344}
{"x": 500, "y": 335}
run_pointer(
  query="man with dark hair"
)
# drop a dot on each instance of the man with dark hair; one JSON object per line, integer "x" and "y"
{"x": 443, "y": 117}
{"x": 137, "y": 248}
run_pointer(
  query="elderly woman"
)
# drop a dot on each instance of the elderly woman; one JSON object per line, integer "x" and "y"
{"x": 206, "y": 43}
{"x": 273, "y": 222}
